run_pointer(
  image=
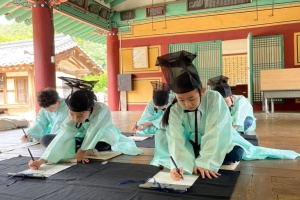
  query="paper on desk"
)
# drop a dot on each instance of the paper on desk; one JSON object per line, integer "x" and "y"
{"x": 230, "y": 167}
{"x": 165, "y": 177}
{"x": 104, "y": 155}
{"x": 46, "y": 170}
{"x": 138, "y": 138}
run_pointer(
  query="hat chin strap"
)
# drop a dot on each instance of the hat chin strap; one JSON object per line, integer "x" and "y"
{"x": 230, "y": 108}
{"x": 78, "y": 125}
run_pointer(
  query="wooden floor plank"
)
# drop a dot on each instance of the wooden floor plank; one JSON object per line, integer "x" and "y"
{"x": 292, "y": 182}
{"x": 280, "y": 190}
{"x": 271, "y": 171}
{"x": 243, "y": 188}
{"x": 287, "y": 197}
{"x": 262, "y": 188}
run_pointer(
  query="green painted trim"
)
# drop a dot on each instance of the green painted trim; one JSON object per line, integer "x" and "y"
{"x": 84, "y": 16}
{"x": 63, "y": 23}
{"x": 77, "y": 30}
{"x": 58, "y": 18}
{"x": 6, "y": 10}
{"x": 83, "y": 32}
{"x": 4, "y": 2}
{"x": 77, "y": 26}
{"x": 15, "y": 13}
{"x": 116, "y": 2}
{"x": 23, "y": 17}
{"x": 28, "y": 22}
{"x": 178, "y": 9}
{"x": 71, "y": 24}
{"x": 108, "y": 1}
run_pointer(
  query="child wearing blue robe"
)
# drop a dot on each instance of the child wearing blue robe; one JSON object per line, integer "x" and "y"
{"x": 53, "y": 112}
{"x": 150, "y": 120}
{"x": 241, "y": 110}
{"x": 199, "y": 131}
{"x": 89, "y": 126}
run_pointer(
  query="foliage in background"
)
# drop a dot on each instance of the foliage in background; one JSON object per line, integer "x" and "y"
{"x": 20, "y": 31}
{"x": 94, "y": 50}
{"x": 15, "y": 32}
{"x": 101, "y": 86}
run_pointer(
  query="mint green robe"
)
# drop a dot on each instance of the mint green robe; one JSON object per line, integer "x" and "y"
{"x": 49, "y": 122}
{"x": 150, "y": 115}
{"x": 99, "y": 128}
{"x": 216, "y": 137}
{"x": 242, "y": 109}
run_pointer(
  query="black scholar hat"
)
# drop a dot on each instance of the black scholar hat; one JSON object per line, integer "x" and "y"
{"x": 160, "y": 93}
{"x": 179, "y": 71}
{"x": 219, "y": 83}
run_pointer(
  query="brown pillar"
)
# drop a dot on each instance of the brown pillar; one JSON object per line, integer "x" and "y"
{"x": 43, "y": 42}
{"x": 113, "y": 70}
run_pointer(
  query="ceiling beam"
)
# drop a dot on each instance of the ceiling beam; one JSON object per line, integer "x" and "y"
{"x": 83, "y": 16}
{"x": 116, "y": 2}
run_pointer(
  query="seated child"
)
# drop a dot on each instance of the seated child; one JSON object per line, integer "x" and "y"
{"x": 240, "y": 108}
{"x": 150, "y": 120}
{"x": 199, "y": 132}
{"x": 89, "y": 126}
{"x": 52, "y": 113}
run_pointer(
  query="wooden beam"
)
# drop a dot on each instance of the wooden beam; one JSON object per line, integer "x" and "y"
{"x": 64, "y": 55}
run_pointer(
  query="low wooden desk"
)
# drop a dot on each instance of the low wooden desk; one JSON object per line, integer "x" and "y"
{"x": 279, "y": 83}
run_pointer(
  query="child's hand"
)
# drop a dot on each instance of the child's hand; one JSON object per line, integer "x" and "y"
{"x": 175, "y": 175}
{"x": 205, "y": 172}
{"x": 80, "y": 157}
{"x": 139, "y": 127}
{"x": 35, "y": 164}
{"x": 143, "y": 126}
{"x": 25, "y": 138}
{"x": 134, "y": 128}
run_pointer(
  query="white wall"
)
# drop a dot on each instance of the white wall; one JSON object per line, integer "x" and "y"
{"x": 234, "y": 46}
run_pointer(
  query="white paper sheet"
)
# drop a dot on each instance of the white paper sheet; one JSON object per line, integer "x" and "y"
{"x": 230, "y": 167}
{"x": 165, "y": 177}
{"x": 104, "y": 155}
{"x": 138, "y": 138}
{"x": 46, "y": 170}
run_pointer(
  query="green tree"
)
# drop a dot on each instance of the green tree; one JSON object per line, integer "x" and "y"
{"x": 101, "y": 85}
{"x": 15, "y": 32}
{"x": 95, "y": 50}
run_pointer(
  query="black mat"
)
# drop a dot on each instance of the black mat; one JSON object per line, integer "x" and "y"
{"x": 97, "y": 181}
{"x": 147, "y": 143}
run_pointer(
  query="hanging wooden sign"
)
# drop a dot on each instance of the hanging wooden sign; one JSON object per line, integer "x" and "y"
{"x": 153, "y": 11}
{"x": 94, "y": 8}
{"x": 82, "y": 4}
{"x": 204, "y": 4}
{"x": 127, "y": 15}
{"x": 104, "y": 13}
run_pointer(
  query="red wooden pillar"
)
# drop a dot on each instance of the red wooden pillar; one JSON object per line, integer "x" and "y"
{"x": 43, "y": 42}
{"x": 113, "y": 70}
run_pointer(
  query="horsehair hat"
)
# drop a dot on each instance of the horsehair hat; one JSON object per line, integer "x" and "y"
{"x": 220, "y": 84}
{"x": 82, "y": 96}
{"x": 179, "y": 71}
{"x": 160, "y": 93}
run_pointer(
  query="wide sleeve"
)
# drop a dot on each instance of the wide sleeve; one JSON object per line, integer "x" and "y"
{"x": 40, "y": 126}
{"x": 217, "y": 136}
{"x": 241, "y": 110}
{"x": 63, "y": 145}
{"x": 179, "y": 147}
{"x": 62, "y": 114}
{"x": 101, "y": 128}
